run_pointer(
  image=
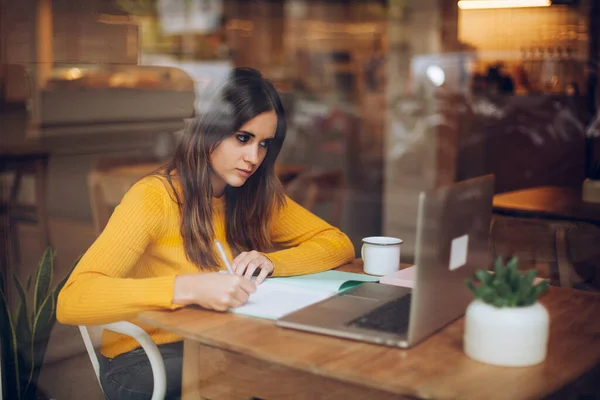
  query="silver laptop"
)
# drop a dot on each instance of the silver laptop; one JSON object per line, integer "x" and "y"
{"x": 452, "y": 243}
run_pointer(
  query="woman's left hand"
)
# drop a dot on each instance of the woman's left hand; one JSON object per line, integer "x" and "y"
{"x": 248, "y": 262}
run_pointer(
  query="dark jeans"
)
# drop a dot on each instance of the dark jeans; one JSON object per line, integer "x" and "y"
{"x": 128, "y": 376}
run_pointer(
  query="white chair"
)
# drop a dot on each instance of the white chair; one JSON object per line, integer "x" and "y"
{"x": 110, "y": 179}
{"x": 134, "y": 331}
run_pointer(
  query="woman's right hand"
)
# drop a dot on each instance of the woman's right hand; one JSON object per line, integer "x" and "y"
{"x": 212, "y": 290}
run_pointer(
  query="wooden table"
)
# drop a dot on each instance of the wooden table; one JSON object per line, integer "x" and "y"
{"x": 551, "y": 202}
{"x": 228, "y": 356}
{"x": 549, "y": 224}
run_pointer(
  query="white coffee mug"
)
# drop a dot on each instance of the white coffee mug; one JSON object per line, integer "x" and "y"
{"x": 381, "y": 255}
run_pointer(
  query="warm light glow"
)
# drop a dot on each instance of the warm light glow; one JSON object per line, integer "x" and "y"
{"x": 436, "y": 75}
{"x": 73, "y": 73}
{"x": 116, "y": 19}
{"x": 484, "y": 4}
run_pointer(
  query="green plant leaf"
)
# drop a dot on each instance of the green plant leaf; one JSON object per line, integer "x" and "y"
{"x": 529, "y": 276}
{"x": 42, "y": 327}
{"x": 540, "y": 288}
{"x": 500, "y": 271}
{"x": 62, "y": 282}
{"x": 530, "y": 298}
{"x": 483, "y": 276}
{"x": 44, "y": 322}
{"x": 525, "y": 286}
{"x": 499, "y": 302}
{"x": 24, "y": 353}
{"x": 499, "y": 264}
{"x": 514, "y": 275}
{"x": 486, "y": 293}
{"x": 471, "y": 286}
{"x": 507, "y": 287}
{"x": 43, "y": 279}
{"x": 20, "y": 289}
{"x": 535, "y": 292}
{"x": 503, "y": 290}
{"x": 22, "y": 323}
{"x": 10, "y": 355}
{"x": 513, "y": 264}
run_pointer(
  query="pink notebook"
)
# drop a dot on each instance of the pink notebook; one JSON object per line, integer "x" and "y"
{"x": 405, "y": 277}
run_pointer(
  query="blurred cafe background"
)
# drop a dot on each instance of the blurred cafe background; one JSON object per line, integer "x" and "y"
{"x": 384, "y": 98}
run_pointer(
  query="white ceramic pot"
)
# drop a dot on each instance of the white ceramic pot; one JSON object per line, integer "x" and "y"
{"x": 508, "y": 336}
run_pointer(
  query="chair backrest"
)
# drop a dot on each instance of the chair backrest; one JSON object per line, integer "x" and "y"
{"x": 312, "y": 189}
{"x": 91, "y": 350}
{"x": 110, "y": 179}
{"x": 152, "y": 352}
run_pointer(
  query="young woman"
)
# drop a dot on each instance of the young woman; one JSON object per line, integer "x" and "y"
{"x": 157, "y": 251}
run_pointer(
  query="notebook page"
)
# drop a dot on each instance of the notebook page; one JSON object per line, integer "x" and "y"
{"x": 273, "y": 300}
{"x": 331, "y": 281}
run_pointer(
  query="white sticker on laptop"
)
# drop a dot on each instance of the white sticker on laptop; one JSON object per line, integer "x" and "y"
{"x": 458, "y": 252}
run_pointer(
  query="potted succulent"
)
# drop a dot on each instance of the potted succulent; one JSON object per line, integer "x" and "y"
{"x": 505, "y": 324}
{"x": 25, "y": 331}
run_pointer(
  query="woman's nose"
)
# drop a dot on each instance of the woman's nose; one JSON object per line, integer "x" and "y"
{"x": 251, "y": 155}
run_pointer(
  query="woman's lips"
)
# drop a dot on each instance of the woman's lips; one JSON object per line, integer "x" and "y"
{"x": 243, "y": 172}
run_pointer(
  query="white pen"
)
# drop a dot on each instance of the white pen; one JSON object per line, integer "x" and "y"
{"x": 224, "y": 256}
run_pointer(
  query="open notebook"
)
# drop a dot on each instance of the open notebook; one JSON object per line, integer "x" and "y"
{"x": 276, "y": 297}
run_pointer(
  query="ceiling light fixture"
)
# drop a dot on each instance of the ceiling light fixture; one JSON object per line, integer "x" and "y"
{"x": 486, "y": 4}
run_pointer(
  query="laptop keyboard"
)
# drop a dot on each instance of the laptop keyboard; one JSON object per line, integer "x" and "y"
{"x": 391, "y": 317}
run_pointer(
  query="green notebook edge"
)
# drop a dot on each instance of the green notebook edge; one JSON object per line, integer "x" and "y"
{"x": 334, "y": 281}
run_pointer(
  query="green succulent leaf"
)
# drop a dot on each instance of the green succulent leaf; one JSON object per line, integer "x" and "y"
{"x": 486, "y": 293}
{"x": 540, "y": 288}
{"x": 513, "y": 264}
{"x": 499, "y": 264}
{"x": 499, "y": 302}
{"x": 514, "y": 275}
{"x": 483, "y": 276}
{"x": 507, "y": 286}
{"x": 471, "y": 286}
{"x": 503, "y": 290}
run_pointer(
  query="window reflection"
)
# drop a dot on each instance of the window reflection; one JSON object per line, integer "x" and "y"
{"x": 388, "y": 97}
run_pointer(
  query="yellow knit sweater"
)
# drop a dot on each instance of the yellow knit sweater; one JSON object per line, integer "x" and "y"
{"x": 132, "y": 265}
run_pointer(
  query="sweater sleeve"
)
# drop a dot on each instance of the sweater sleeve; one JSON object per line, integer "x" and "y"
{"x": 312, "y": 244}
{"x": 101, "y": 288}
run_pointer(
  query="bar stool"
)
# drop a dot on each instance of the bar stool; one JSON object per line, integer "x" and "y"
{"x": 558, "y": 243}
{"x": 22, "y": 161}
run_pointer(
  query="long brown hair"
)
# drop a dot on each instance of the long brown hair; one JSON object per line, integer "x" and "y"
{"x": 249, "y": 208}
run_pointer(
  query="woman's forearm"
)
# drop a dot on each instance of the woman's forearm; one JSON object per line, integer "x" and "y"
{"x": 94, "y": 299}
{"x": 326, "y": 250}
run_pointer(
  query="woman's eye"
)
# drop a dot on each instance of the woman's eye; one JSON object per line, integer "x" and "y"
{"x": 265, "y": 144}
{"x": 242, "y": 138}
